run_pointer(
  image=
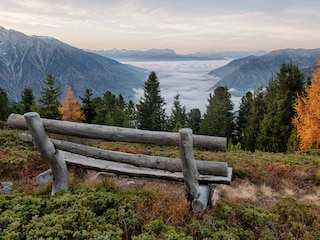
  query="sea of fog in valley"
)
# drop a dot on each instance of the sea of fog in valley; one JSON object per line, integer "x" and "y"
{"x": 189, "y": 78}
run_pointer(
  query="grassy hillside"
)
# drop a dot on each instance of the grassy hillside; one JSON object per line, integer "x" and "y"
{"x": 272, "y": 196}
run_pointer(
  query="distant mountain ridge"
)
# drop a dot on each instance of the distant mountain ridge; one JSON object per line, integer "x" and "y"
{"x": 251, "y": 72}
{"x": 25, "y": 61}
{"x": 171, "y": 55}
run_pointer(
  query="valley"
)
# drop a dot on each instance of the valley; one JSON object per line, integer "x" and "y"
{"x": 189, "y": 78}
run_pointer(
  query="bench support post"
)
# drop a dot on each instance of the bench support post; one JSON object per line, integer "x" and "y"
{"x": 48, "y": 152}
{"x": 199, "y": 193}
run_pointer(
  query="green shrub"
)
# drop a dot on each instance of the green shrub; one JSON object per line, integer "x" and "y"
{"x": 67, "y": 215}
{"x": 298, "y": 218}
{"x": 158, "y": 230}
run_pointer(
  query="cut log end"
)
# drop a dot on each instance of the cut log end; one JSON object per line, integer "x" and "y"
{"x": 45, "y": 177}
{"x": 200, "y": 204}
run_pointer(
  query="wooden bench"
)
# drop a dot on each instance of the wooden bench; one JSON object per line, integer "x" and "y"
{"x": 195, "y": 173}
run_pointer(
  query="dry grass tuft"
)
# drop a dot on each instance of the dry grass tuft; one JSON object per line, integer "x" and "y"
{"x": 240, "y": 191}
{"x": 267, "y": 191}
{"x": 313, "y": 198}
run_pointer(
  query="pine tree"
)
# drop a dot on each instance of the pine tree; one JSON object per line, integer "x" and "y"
{"x": 150, "y": 110}
{"x": 251, "y": 129}
{"x": 49, "y": 104}
{"x": 118, "y": 112}
{"x": 194, "y": 120}
{"x": 218, "y": 119}
{"x": 99, "y": 111}
{"x": 131, "y": 115}
{"x": 27, "y": 102}
{"x": 71, "y": 109}
{"x": 307, "y": 119}
{"x": 110, "y": 101}
{"x": 243, "y": 119}
{"x": 276, "y": 127}
{"x": 88, "y": 106}
{"x": 178, "y": 117}
{"x": 104, "y": 109}
{"x": 4, "y": 102}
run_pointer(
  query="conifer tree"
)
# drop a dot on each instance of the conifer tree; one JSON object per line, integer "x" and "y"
{"x": 150, "y": 110}
{"x": 88, "y": 106}
{"x": 218, "y": 119}
{"x": 276, "y": 126}
{"x": 118, "y": 111}
{"x": 4, "y": 105}
{"x": 251, "y": 129}
{"x": 109, "y": 101}
{"x": 99, "y": 107}
{"x": 104, "y": 108}
{"x": 178, "y": 117}
{"x": 307, "y": 119}
{"x": 194, "y": 120}
{"x": 131, "y": 115}
{"x": 28, "y": 100}
{"x": 243, "y": 119}
{"x": 70, "y": 108}
{"x": 49, "y": 104}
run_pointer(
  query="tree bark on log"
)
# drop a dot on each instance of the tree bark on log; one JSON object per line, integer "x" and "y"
{"x": 130, "y": 170}
{"x": 139, "y": 160}
{"x": 126, "y": 168}
{"x": 120, "y": 134}
{"x": 48, "y": 152}
{"x": 188, "y": 164}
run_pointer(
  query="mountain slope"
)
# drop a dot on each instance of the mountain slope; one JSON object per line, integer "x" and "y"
{"x": 171, "y": 55}
{"x": 26, "y": 60}
{"x": 251, "y": 72}
{"x": 151, "y": 55}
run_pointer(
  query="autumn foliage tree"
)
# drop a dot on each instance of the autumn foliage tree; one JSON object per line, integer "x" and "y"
{"x": 70, "y": 108}
{"x": 307, "y": 119}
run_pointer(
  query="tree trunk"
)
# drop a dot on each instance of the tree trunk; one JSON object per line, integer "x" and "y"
{"x": 139, "y": 160}
{"x": 120, "y": 134}
{"x": 48, "y": 152}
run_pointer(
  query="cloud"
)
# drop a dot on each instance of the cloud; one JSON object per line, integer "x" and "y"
{"x": 188, "y": 78}
{"x": 182, "y": 25}
{"x": 127, "y": 26}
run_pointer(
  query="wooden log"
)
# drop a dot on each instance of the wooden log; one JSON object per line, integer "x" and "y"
{"x": 45, "y": 177}
{"x": 200, "y": 203}
{"x": 110, "y": 133}
{"x": 189, "y": 167}
{"x": 48, "y": 152}
{"x": 130, "y": 170}
{"x": 139, "y": 160}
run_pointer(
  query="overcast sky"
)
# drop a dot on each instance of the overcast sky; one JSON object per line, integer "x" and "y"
{"x": 184, "y": 25}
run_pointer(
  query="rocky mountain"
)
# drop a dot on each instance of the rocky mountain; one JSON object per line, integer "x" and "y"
{"x": 251, "y": 72}
{"x": 156, "y": 55}
{"x": 25, "y": 61}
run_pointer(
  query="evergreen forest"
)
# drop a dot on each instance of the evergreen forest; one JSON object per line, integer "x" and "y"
{"x": 269, "y": 119}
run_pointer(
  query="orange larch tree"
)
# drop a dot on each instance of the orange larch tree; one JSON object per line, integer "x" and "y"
{"x": 307, "y": 119}
{"x": 70, "y": 108}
